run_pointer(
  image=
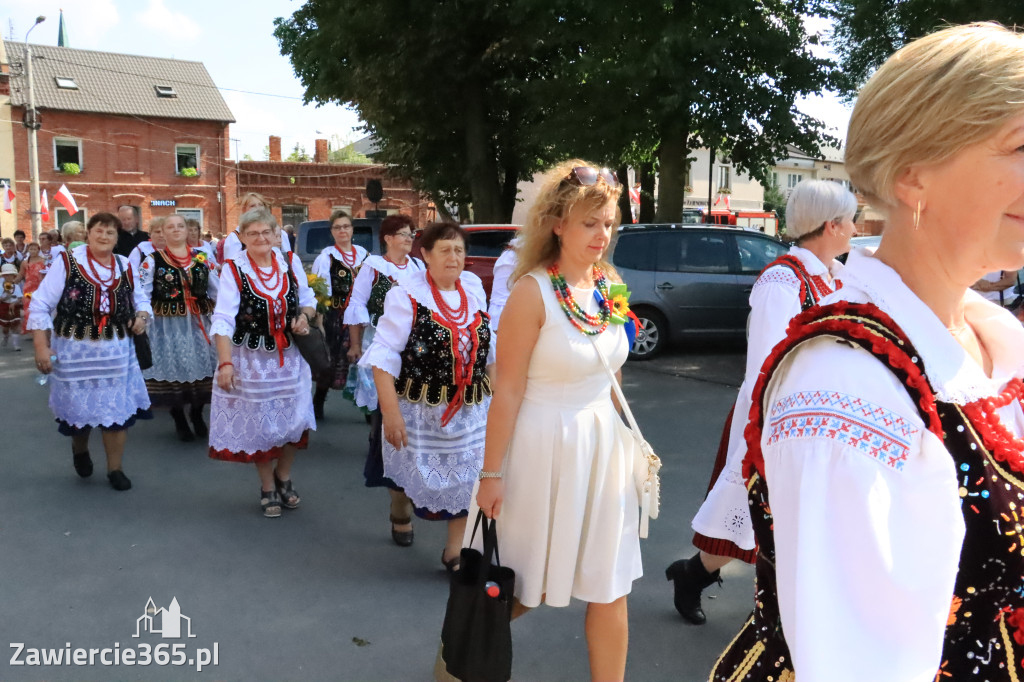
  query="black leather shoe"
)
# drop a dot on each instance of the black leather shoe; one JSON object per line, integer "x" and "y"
{"x": 181, "y": 426}
{"x": 402, "y": 538}
{"x": 83, "y": 464}
{"x": 198, "y": 425}
{"x": 118, "y": 481}
{"x": 690, "y": 578}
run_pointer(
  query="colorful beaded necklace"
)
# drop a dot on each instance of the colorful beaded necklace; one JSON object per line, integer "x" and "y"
{"x": 578, "y": 317}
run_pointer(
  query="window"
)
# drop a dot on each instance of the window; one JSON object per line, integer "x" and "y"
{"x": 489, "y": 243}
{"x": 191, "y": 214}
{"x": 635, "y": 251}
{"x": 293, "y": 215}
{"x": 186, "y": 156}
{"x": 62, "y": 216}
{"x": 165, "y": 91}
{"x": 793, "y": 179}
{"x": 775, "y": 179}
{"x": 362, "y": 235}
{"x": 756, "y": 253}
{"x": 346, "y": 209}
{"x": 724, "y": 177}
{"x": 695, "y": 251}
{"x": 65, "y": 82}
{"x": 66, "y": 150}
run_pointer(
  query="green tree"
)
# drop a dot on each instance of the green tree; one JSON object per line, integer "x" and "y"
{"x": 298, "y": 154}
{"x": 343, "y": 151}
{"x": 443, "y": 86}
{"x": 867, "y": 32}
{"x": 775, "y": 200}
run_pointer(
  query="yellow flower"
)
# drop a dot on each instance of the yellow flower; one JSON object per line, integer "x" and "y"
{"x": 620, "y": 305}
{"x": 201, "y": 257}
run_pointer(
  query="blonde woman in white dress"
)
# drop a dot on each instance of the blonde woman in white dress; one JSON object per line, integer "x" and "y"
{"x": 557, "y": 471}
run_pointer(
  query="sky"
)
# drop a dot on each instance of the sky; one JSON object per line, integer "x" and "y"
{"x": 235, "y": 42}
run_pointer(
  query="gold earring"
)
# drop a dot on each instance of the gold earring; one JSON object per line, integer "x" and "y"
{"x": 917, "y": 215}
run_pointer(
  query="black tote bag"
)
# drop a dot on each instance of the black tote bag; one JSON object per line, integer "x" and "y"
{"x": 476, "y": 639}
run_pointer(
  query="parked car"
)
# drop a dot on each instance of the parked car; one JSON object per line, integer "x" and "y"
{"x": 870, "y": 241}
{"x": 486, "y": 242}
{"x": 690, "y": 280}
{"x": 315, "y": 235}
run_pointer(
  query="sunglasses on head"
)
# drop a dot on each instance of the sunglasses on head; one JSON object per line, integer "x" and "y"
{"x": 586, "y": 176}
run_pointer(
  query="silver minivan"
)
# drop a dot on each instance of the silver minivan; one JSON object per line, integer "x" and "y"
{"x": 690, "y": 281}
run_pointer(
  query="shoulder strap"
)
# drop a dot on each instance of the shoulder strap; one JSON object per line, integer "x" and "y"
{"x": 618, "y": 390}
{"x": 862, "y": 324}
{"x": 234, "y": 271}
{"x": 807, "y": 298}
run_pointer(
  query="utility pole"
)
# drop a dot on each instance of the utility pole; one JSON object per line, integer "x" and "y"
{"x": 32, "y": 123}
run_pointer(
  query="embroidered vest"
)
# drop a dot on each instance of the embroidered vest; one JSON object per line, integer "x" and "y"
{"x": 78, "y": 312}
{"x": 169, "y": 292}
{"x": 378, "y": 291}
{"x": 812, "y": 289}
{"x": 432, "y": 364}
{"x": 981, "y": 640}
{"x": 342, "y": 278}
{"x": 253, "y": 324}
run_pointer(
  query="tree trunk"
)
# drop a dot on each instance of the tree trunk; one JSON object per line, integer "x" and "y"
{"x": 481, "y": 167}
{"x": 624, "y": 207}
{"x": 509, "y": 192}
{"x": 646, "y": 173}
{"x": 672, "y": 166}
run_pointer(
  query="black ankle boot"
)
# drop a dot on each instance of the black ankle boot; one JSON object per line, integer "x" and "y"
{"x": 690, "y": 578}
{"x": 181, "y": 425}
{"x": 195, "y": 415}
{"x": 318, "y": 401}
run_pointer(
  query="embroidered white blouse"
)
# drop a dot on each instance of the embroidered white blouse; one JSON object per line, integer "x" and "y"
{"x": 395, "y": 325}
{"x": 147, "y": 272}
{"x": 868, "y": 545}
{"x": 46, "y": 297}
{"x": 503, "y": 268}
{"x": 356, "y": 312}
{"x": 322, "y": 264}
{"x": 229, "y": 298}
{"x": 139, "y": 254}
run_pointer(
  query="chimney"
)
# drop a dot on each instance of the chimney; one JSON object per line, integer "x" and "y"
{"x": 275, "y": 148}
{"x": 320, "y": 155}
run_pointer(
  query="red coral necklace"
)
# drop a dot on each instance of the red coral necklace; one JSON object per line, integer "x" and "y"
{"x": 178, "y": 262}
{"x": 456, "y": 316}
{"x": 273, "y": 280}
{"x": 349, "y": 259}
{"x": 999, "y": 440}
{"x": 95, "y": 266}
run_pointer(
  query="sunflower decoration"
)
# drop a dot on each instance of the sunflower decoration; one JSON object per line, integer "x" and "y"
{"x": 319, "y": 286}
{"x": 200, "y": 258}
{"x": 618, "y": 298}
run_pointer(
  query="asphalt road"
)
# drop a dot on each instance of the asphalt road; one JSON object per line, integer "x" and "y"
{"x": 321, "y": 594}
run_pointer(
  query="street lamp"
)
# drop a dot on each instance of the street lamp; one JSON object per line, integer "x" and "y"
{"x": 32, "y": 123}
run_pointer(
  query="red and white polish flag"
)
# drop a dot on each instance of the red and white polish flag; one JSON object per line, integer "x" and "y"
{"x": 44, "y": 207}
{"x": 8, "y": 198}
{"x": 63, "y": 195}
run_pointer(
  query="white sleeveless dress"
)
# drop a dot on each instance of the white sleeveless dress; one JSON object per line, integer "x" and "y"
{"x": 570, "y": 518}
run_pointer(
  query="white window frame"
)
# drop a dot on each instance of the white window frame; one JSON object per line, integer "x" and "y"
{"x": 296, "y": 226}
{"x": 346, "y": 209}
{"x": 793, "y": 179}
{"x": 726, "y": 172}
{"x": 177, "y": 169}
{"x": 66, "y": 141}
{"x": 775, "y": 179}
{"x": 186, "y": 212}
{"x": 59, "y": 210}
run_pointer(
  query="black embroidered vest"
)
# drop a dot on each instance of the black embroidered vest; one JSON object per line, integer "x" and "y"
{"x": 378, "y": 291}
{"x": 252, "y": 322}
{"x": 169, "y": 293}
{"x": 342, "y": 278}
{"x": 980, "y": 640}
{"x": 430, "y": 360}
{"x": 78, "y": 312}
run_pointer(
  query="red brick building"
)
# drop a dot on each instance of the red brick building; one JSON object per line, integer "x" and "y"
{"x": 144, "y": 131}
{"x": 312, "y": 190}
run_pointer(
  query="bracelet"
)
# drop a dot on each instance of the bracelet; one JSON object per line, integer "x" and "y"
{"x": 225, "y": 364}
{"x": 489, "y": 474}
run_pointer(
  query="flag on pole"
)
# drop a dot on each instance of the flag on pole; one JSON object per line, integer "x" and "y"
{"x": 8, "y": 198}
{"x": 62, "y": 33}
{"x": 63, "y": 195}
{"x": 44, "y": 207}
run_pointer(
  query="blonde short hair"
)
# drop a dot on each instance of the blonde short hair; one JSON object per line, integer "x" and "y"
{"x": 538, "y": 245}
{"x": 815, "y": 202}
{"x": 931, "y": 99}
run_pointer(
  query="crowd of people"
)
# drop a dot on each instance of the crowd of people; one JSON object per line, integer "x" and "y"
{"x": 881, "y": 406}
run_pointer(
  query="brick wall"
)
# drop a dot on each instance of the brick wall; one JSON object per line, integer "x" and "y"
{"x": 125, "y": 160}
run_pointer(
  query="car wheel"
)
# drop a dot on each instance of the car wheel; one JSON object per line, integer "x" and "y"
{"x": 651, "y": 335}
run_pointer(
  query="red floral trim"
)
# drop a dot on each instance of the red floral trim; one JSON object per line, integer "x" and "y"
{"x": 867, "y": 326}
{"x": 260, "y": 455}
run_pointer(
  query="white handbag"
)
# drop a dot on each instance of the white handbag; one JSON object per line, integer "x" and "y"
{"x": 646, "y": 464}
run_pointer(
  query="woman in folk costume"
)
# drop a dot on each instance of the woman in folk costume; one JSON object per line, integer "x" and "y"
{"x": 96, "y": 378}
{"x": 431, "y": 356}
{"x": 262, "y": 408}
{"x": 366, "y": 304}
{"x": 558, "y": 468}
{"x": 886, "y": 463}
{"x": 820, "y": 221}
{"x": 179, "y": 288}
{"x": 338, "y": 265}
{"x": 155, "y": 241}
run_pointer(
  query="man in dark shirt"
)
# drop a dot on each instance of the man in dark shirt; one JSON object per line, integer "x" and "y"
{"x": 130, "y": 235}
